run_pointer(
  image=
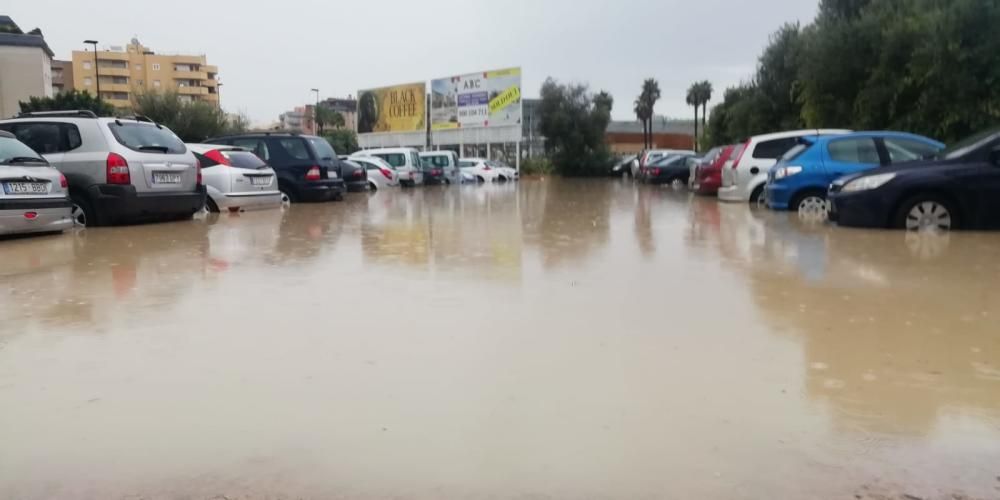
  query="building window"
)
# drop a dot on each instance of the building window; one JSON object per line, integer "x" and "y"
{"x": 87, "y": 81}
{"x": 156, "y": 67}
{"x": 156, "y": 83}
{"x": 86, "y": 65}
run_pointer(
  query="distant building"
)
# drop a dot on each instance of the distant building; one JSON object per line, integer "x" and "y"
{"x": 25, "y": 66}
{"x": 625, "y": 137}
{"x": 62, "y": 76}
{"x": 348, "y": 108}
{"x": 299, "y": 119}
{"x": 125, "y": 72}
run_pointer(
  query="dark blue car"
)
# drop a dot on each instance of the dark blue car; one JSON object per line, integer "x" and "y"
{"x": 800, "y": 180}
{"x": 960, "y": 189}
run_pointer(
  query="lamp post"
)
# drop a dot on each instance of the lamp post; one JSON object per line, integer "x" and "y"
{"x": 218, "y": 92}
{"x": 97, "y": 72}
{"x": 316, "y": 112}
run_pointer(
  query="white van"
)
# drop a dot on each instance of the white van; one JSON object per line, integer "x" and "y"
{"x": 406, "y": 161}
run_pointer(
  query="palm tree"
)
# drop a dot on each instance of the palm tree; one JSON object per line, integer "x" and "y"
{"x": 705, "y": 95}
{"x": 650, "y": 94}
{"x": 693, "y": 99}
{"x": 640, "y": 113}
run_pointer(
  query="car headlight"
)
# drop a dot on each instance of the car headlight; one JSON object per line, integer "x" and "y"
{"x": 868, "y": 182}
{"x": 783, "y": 172}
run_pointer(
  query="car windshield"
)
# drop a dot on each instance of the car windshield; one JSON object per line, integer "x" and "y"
{"x": 969, "y": 145}
{"x": 13, "y": 150}
{"x": 666, "y": 160}
{"x": 439, "y": 161}
{"x": 244, "y": 159}
{"x": 394, "y": 159}
{"x": 323, "y": 148}
{"x": 147, "y": 138}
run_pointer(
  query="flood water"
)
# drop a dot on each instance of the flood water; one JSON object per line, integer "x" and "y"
{"x": 554, "y": 339}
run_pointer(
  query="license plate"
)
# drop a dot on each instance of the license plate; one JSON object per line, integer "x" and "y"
{"x": 260, "y": 180}
{"x": 331, "y": 174}
{"x": 24, "y": 188}
{"x": 166, "y": 178}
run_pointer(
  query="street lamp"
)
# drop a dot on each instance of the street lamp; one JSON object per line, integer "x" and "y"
{"x": 316, "y": 112}
{"x": 97, "y": 73}
{"x": 218, "y": 92}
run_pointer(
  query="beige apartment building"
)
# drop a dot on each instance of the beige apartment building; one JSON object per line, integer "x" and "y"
{"x": 134, "y": 69}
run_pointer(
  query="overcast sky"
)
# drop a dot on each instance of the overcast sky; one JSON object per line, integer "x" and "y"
{"x": 271, "y": 53}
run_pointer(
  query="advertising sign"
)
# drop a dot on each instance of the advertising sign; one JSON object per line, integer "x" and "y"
{"x": 488, "y": 99}
{"x": 400, "y": 108}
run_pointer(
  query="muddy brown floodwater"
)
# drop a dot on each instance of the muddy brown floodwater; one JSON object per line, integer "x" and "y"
{"x": 556, "y": 339}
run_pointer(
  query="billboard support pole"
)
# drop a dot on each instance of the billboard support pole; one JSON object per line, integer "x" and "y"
{"x": 488, "y": 157}
{"x": 517, "y": 152}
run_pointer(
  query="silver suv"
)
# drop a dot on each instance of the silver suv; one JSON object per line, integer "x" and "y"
{"x": 118, "y": 169}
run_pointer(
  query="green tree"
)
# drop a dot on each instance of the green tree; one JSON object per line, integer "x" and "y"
{"x": 574, "y": 123}
{"x": 328, "y": 117}
{"x": 344, "y": 141}
{"x": 648, "y": 97}
{"x": 68, "y": 101}
{"x": 192, "y": 121}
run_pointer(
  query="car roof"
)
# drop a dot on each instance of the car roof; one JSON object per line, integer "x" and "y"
{"x": 798, "y": 133}
{"x": 256, "y": 135}
{"x": 437, "y": 153}
{"x": 387, "y": 150}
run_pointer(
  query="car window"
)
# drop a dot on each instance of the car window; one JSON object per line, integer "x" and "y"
{"x": 436, "y": 161}
{"x": 394, "y": 159}
{"x": 258, "y": 147}
{"x": 243, "y": 159}
{"x": 795, "y": 152}
{"x": 901, "y": 149}
{"x": 414, "y": 158}
{"x": 367, "y": 164}
{"x": 205, "y": 161}
{"x": 292, "y": 148}
{"x": 146, "y": 138}
{"x": 47, "y": 138}
{"x": 774, "y": 149}
{"x": 12, "y": 148}
{"x": 466, "y": 163}
{"x": 859, "y": 150}
{"x": 323, "y": 148}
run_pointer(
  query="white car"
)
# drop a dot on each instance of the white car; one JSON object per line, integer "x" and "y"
{"x": 744, "y": 180}
{"x": 406, "y": 162}
{"x": 507, "y": 173}
{"x": 649, "y": 156}
{"x": 34, "y": 197}
{"x": 381, "y": 175}
{"x": 236, "y": 179}
{"x": 479, "y": 168}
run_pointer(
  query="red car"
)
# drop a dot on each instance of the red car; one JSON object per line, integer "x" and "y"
{"x": 708, "y": 175}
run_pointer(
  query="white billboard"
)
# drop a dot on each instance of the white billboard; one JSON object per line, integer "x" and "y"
{"x": 477, "y": 100}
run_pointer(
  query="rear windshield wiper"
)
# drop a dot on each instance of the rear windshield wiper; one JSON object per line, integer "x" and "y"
{"x": 23, "y": 159}
{"x": 162, "y": 149}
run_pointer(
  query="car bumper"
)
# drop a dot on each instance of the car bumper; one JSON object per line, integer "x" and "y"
{"x": 732, "y": 193}
{"x": 708, "y": 185}
{"x": 324, "y": 190}
{"x": 858, "y": 210}
{"x": 118, "y": 203}
{"x": 434, "y": 179}
{"x": 357, "y": 186}
{"x": 48, "y": 216}
{"x": 248, "y": 201}
{"x": 778, "y": 196}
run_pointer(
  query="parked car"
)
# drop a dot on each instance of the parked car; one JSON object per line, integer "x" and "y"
{"x": 800, "y": 181}
{"x": 624, "y": 166}
{"x": 236, "y": 179}
{"x": 708, "y": 175}
{"x": 118, "y": 169}
{"x": 706, "y": 158}
{"x": 445, "y": 163}
{"x": 381, "y": 175}
{"x": 34, "y": 196}
{"x": 649, "y": 156}
{"x": 505, "y": 171}
{"x": 744, "y": 182}
{"x": 959, "y": 189}
{"x": 307, "y": 167}
{"x": 406, "y": 161}
{"x": 479, "y": 168}
{"x": 668, "y": 169}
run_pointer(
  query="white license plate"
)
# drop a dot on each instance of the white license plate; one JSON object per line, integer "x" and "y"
{"x": 166, "y": 178}
{"x": 24, "y": 188}
{"x": 331, "y": 174}
{"x": 260, "y": 180}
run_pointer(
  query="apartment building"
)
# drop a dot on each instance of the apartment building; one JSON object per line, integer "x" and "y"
{"x": 62, "y": 76}
{"x": 123, "y": 72}
{"x": 25, "y": 66}
{"x": 348, "y": 108}
{"x": 299, "y": 119}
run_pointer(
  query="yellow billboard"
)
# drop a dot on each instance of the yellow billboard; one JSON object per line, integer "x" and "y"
{"x": 400, "y": 108}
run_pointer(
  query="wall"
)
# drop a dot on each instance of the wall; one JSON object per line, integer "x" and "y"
{"x": 24, "y": 72}
{"x": 629, "y": 143}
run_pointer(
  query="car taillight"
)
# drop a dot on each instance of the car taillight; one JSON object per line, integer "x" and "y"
{"x": 118, "y": 170}
{"x": 63, "y": 182}
{"x": 654, "y": 171}
{"x": 486, "y": 168}
{"x": 435, "y": 172}
{"x": 218, "y": 157}
{"x": 313, "y": 174}
{"x": 743, "y": 151}
{"x": 359, "y": 173}
{"x": 386, "y": 173}
{"x": 197, "y": 167}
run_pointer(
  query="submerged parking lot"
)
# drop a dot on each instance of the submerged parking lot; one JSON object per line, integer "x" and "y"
{"x": 547, "y": 339}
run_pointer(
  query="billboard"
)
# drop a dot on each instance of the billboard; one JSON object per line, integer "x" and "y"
{"x": 396, "y": 109}
{"x": 478, "y": 100}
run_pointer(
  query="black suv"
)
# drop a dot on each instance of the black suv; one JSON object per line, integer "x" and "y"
{"x": 307, "y": 166}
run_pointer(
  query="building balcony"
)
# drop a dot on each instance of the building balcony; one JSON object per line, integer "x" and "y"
{"x": 115, "y": 87}
{"x": 199, "y": 60}
{"x": 210, "y": 83}
{"x": 114, "y": 72}
{"x": 112, "y": 56}
{"x": 208, "y": 68}
{"x": 190, "y": 75}
{"x": 199, "y": 91}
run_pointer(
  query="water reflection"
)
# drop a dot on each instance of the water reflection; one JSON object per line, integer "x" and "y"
{"x": 574, "y": 219}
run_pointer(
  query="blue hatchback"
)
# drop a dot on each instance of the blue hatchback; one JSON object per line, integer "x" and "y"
{"x": 800, "y": 180}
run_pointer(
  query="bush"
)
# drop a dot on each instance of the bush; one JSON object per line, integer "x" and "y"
{"x": 192, "y": 121}
{"x": 344, "y": 142}
{"x": 68, "y": 101}
{"x": 574, "y": 123}
{"x": 537, "y": 166}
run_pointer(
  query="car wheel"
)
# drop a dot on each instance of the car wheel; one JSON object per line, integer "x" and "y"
{"x": 811, "y": 205}
{"x": 372, "y": 187}
{"x": 480, "y": 179}
{"x": 210, "y": 205}
{"x": 287, "y": 198}
{"x": 927, "y": 213}
{"x": 82, "y": 213}
{"x": 757, "y": 199}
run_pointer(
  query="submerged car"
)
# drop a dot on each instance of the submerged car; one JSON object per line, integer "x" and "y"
{"x": 959, "y": 189}
{"x": 34, "y": 197}
{"x": 381, "y": 175}
{"x": 799, "y": 182}
{"x": 669, "y": 169}
{"x": 236, "y": 179}
{"x": 441, "y": 167}
{"x": 479, "y": 169}
{"x": 708, "y": 174}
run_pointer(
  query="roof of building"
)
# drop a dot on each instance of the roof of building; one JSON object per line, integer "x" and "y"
{"x": 661, "y": 125}
{"x": 12, "y": 36}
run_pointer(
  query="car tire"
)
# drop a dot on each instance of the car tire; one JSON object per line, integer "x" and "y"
{"x": 810, "y": 204}
{"x": 287, "y": 196}
{"x": 83, "y": 212}
{"x": 372, "y": 187}
{"x": 757, "y": 198}
{"x": 927, "y": 212}
{"x": 210, "y": 205}
{"x": 480, "y": 179}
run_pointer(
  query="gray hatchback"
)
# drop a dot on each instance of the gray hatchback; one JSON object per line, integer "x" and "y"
{"x": 118, "y": 170}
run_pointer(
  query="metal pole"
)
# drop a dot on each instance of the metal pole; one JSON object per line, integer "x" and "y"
{"x": 316, "y": 113}
{"x": 517, "y": 150}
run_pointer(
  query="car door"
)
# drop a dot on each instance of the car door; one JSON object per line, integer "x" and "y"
{"x": 848, "y": 156}
{"x": 979, "y": 179}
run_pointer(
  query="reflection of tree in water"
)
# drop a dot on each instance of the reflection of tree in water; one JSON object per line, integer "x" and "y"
{"x": 575, "y": 220}
{"x": 891, "y": 341}
{"x": 705, "y": 220}
{"x": 644, "y": 220}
